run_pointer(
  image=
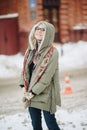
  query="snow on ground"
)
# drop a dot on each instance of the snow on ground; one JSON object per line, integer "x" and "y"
{"x": 67, "y": 120}
{"x": 10, "y": 66}
{"x": 73, "y": 56}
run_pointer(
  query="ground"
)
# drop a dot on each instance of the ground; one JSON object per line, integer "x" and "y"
{"x": 11, "y": 93}
{"x": 78, "y": 84}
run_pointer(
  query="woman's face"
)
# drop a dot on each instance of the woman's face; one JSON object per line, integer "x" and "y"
{"x": 39, "y": 32}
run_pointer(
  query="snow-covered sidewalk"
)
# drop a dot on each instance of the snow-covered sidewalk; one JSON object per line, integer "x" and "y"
{"x": 67, "y": 120}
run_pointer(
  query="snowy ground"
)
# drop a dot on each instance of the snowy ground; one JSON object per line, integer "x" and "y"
{"x": 73, "y": 120}
{"x": 73, "y": 113}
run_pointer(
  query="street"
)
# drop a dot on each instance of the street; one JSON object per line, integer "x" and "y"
{"x": 78, "y": 83}
{"x": 11, "y": 93}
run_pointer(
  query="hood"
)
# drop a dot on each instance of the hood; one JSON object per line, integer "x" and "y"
{"x": 48, "y": 37}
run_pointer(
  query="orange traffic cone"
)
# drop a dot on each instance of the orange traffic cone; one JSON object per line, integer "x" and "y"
{"x": 68, "y": 89}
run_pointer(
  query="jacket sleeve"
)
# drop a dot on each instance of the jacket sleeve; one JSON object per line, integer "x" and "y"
{"x": 47, "y": 76}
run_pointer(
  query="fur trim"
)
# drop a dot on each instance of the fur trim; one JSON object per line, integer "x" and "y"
{"x": 48, "y": 37}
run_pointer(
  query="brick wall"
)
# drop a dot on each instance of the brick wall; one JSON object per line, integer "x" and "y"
{"x": 9, "y": 6}
{"x": 71, "y": 13}
{"x": 28, "y": 16}
{"x": 25, "y": 19}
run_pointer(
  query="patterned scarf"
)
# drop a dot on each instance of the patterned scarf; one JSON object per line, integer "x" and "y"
{"x": 28, "y": 58}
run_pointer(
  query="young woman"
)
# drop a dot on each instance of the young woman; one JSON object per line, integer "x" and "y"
{"x": 40, "y": 81}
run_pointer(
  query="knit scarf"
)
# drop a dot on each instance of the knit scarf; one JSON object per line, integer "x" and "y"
{"x": 28, "y": 57}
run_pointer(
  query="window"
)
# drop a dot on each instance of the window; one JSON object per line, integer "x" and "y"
{"x": 33, "y": 15}
{"x": 32, "y": 4}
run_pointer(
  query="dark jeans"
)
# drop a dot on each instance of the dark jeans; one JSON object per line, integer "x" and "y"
{"x": 36, "y": 119}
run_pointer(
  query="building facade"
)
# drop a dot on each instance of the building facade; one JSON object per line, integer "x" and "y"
{"x": 68, "y": 16}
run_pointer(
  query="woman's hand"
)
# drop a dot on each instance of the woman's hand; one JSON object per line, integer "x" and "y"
{"x": 28, "y": 95}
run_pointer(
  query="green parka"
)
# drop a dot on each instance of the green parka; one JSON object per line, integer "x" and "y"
{"x": 47, "y": 89}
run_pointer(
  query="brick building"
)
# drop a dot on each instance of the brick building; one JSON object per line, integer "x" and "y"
{"x": 68, "y": 16}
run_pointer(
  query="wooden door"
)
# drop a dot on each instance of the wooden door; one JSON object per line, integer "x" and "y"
{"x": 8, "y": 36}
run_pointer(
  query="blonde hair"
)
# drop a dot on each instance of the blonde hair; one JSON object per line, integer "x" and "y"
{"x": 32, "y": 39}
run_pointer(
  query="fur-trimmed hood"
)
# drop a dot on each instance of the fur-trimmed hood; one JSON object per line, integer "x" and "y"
{"x": 48, "y": 37}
